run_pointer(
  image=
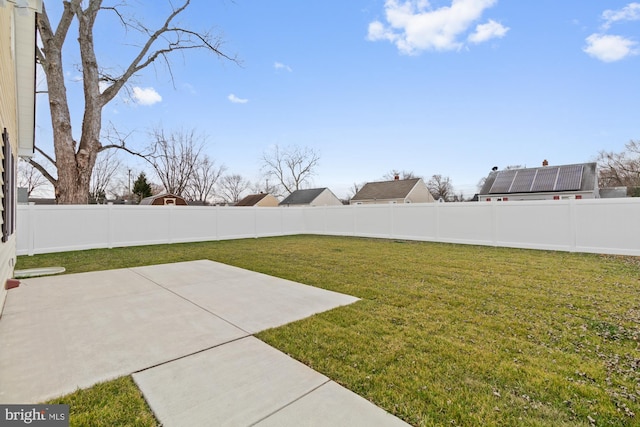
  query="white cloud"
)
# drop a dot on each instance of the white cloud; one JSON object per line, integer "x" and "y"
{"x": 237, "y": 100}
{"x": 488, "y": 31}
{"x": 630, "y": 12}
{"x": 281, "y": 66}
{"x": 609, "y": 48}
{"x": 146, "y": 95}
{"x": 413, "y": 25}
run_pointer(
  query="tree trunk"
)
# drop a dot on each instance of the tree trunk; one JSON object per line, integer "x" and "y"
{"x": 75, "y": 160}
{"x": 70, "y": 186}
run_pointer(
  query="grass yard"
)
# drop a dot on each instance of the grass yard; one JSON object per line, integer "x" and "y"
{"x": 444, "y": 334}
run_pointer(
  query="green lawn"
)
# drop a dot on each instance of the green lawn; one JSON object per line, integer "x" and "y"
{"x": 445, "y": 334}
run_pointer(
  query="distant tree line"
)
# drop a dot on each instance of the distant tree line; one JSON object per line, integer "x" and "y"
{"x": 621, "y": 169}
{"x": 181, "y": 167}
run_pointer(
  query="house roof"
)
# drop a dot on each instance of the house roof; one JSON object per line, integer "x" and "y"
{"x": 396, "y": 189}
{"x": 545, "y": 179}
{"x": 252, "y": 199}
{"x": 302, "y": 197}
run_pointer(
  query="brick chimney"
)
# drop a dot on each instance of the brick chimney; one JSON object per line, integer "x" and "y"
{"x": 396, "y": 177}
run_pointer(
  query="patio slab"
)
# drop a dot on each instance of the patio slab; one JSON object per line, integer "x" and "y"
{"x": 249, "y": 300}
{"x": 238, "y": 383}
{"x": 60, "y": 335}
{"x": 249, "y": 383}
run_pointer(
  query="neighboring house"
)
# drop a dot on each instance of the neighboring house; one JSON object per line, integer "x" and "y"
{"x": 166, "y": 199}
{"x": 396, "y": 191}
{"x": 17, "y": 117}
{"x": 577, "y": 181}
{"x": 261, "y": 200}
{"x": 312, "y": 197}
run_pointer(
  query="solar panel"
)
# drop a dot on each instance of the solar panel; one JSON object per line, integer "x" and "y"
{"x": 523, "y": 181}
{"x": 569, "y": 178}
{"x": 503, "y": 182}
{"x": 545, "y": 179}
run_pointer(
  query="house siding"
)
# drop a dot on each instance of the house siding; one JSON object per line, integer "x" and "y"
{"x": 420, "y": 194}
{"x": 326, "y": 198}
{"x": 268, "y": 201}
{"x": 9, "y": 121}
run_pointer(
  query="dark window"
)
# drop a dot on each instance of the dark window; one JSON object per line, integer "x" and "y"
{"x": 8, "y": 188}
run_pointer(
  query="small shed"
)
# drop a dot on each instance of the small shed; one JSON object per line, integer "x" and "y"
{"x": 166, "y": 199}
{"x": 261, "y": 200}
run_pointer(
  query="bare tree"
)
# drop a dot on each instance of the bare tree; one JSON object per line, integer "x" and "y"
{"x": 107, "y": 165}
{"x": 174, "y": 157}
{"x": 353, "y": 190}
{"x": 266, "y": 187}
{"x": 30, "y": 178}
{"x": 440, "y": 187}
{"x": 74, "y": 160}
{"x": 291, "y": 167}
{"x": 621, "y": 169}
{"x": 232, "y": 187}
{"x": 204, "y": 178}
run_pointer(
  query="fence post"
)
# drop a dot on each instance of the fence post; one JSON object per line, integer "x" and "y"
{"x": 255, "y": 222}
{"x": 31, "y": 233}
{"x": 110, "y": 225}
{"x": 392, "y": 225}
{"x": 437, "y": 220}
{"x": 494, "y": 223}
{"x": 573, "y": 227}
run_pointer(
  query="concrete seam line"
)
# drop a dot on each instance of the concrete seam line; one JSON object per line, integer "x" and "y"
{"x": 290, "y": 403}
{"x": 190, "y": 354}
{"x": 190, "y": 302}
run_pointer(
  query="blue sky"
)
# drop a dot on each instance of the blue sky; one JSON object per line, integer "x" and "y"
{"x": 433, "y": 87}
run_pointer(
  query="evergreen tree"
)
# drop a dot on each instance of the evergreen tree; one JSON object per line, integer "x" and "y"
{"x": 141, "y": 188}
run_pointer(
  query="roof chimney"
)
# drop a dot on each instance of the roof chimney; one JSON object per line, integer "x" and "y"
{"x": 545, "y": 162}
{"x": 396, "y": 177}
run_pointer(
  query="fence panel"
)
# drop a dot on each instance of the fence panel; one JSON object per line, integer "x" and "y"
{"x": 601, "y": 226}
{"x": 612, "y": 228}
{"x": 534, "y": 225}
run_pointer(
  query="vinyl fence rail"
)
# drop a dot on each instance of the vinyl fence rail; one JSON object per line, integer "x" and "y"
{"x": 607, "y": 226}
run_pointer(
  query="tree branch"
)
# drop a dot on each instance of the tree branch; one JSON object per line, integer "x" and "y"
{"x": 43, "y": 171}
{"x": 184, "y": 39}
{"x": 53, "y": 162}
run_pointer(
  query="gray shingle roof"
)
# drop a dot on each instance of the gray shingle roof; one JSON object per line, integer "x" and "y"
{"x": 302, "y": 197}
{"x": 386, "y": 190}
{"x": 545, "y": 179}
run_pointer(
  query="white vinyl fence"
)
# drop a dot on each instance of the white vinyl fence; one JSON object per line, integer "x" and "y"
{"x": 608, "y": 226}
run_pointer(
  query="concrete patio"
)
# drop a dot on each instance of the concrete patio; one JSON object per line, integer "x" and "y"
{"x": 184, "y": 331}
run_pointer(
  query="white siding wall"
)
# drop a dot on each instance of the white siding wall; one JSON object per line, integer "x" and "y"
{"x": 420, "y": 193}
{"x": 599, "y": 226}
{"x": 8, "y": 120}
{"x": 326, "y": 198}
